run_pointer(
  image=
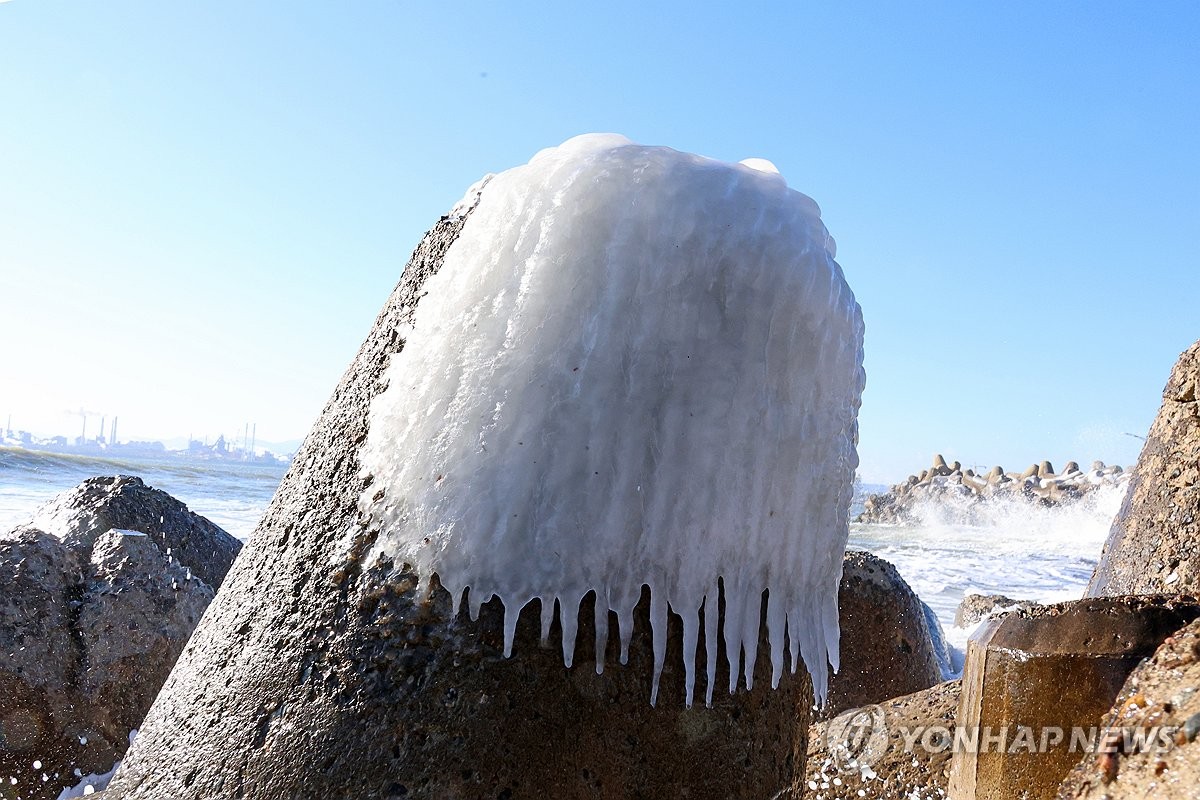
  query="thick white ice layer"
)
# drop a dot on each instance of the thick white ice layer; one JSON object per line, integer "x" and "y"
{"x": 636, "y": 366}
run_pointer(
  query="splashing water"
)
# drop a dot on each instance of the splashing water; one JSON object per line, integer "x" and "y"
{"x": 636, "y": 366}
{"x": 1009, "y": 546}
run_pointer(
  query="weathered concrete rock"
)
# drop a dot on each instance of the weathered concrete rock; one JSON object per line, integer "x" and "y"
{"x": 963, "y": 496}
{"x": 1035, "y": 675}
{"x": 91, "y": 622}
{"x": 138, "y": 610}
{"x": 1154, "y": 544}
{"x": 39, "y": 576}
{"x": 886, "y": 646}
{"x": 908, "y": 761}
{"x": 883, "y": 508}
{"x": 1150, "y": 745}
{"x": 975, "y": 607}
{"x": 312, "y": 676}
{"x": 123, "y": 502}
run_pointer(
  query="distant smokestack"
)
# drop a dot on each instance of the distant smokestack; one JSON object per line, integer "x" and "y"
{"x": 253, "y": 437}
{"x": 114, "y": 431}
{"x": 103, "y": 421}
{"x": 83, "y": 436}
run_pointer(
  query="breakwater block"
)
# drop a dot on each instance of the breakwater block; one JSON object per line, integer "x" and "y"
{"x": 572, "y": 524}
{"x": 1037, "y": 684}
{"x": 886, "y": 648}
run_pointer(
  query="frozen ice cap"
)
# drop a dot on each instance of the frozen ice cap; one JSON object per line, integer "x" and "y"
{"x": 635, "y": 366}
{"x": 760, "y": 164}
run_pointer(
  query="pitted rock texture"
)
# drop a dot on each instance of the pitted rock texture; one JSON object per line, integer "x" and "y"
{"x": 1037, "y": 672}
{"x": 124, "y": 502}
{"x": 1150, "y": 745}
{"x": 896, "y": 766}
{"x": 92, "y": 619}
{"x": 975, "y": 607}
{"x": 886, "y": 648}
{"x": 313, "y": 676}
{"x": 1154, "y": 544}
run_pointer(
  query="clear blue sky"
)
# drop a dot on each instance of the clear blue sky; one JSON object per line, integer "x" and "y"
{"x": 203, "y": 205}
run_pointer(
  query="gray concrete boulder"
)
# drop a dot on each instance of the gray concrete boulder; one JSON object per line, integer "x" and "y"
{"x": 92, "y": 619}
{"x": 975, "y": 607}
{"x": 1035, "y": 677}
{"x": 887, "y": 650}
{"x": 880, "y": 752}
{"x": 1150, "y": 746}
{"x": 963, "y": 496}
{"x": 314, "y": 675}
{"x": 123, "y": 502}
{"x": 139, "y": 607}
{"x": 1154, "y": 544}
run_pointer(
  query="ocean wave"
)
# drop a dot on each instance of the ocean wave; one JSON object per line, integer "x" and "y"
{"x": 233, "y": 494}
{"x": 1009, "y": 546}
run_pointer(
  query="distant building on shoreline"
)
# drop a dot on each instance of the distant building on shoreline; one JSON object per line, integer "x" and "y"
{"x": 110, "y": 448}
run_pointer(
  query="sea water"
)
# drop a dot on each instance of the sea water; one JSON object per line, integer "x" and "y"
{"x": 1011, "y": 547}
{"x": 1024, "y": 551}
{"x": 231, "y": 493}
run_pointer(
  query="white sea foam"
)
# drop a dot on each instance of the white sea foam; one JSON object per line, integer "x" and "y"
{"x": 636, "y": 366}
{"x": 1012, "y": 547}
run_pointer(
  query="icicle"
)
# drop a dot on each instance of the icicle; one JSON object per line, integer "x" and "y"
{"x": 625, "y": 630}
{"x": 475, "y": 602}
{"x": 658, "y": 624}
{"x": 511, "y": 618}
{"x": 833, "y": 633}
{"x": 548, "y": 604}
{"x": 776, "y": 629}
{"x": 793, "y": 629}
{"x": 635, "y": 366}
{"x": 752, "y": 608}
{"x": 601, "y": 631}
{"x": 733, "y": 633}
{"x": 711, "y": 618}
{"x": 691, "y": 629}
{"x": 569, "y": 616}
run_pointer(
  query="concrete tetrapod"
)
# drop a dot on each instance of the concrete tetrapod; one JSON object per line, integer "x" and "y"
{"x": 332, "y": 664}
{"x": 1037, "y": 684}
